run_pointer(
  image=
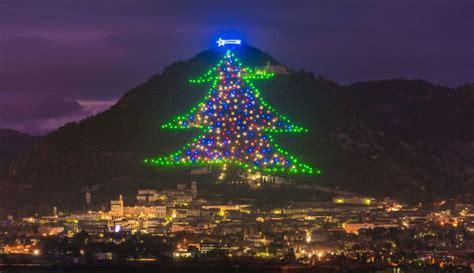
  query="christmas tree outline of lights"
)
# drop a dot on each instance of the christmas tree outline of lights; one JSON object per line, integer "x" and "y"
{"x": 212, "y": 115}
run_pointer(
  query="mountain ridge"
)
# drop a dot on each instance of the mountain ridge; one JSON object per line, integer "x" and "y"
{"x": 377, "y": 137}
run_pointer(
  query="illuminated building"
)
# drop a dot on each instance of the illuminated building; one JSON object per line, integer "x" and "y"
{"x": 353, "y": 200}
{"x": 355, "y": 227}
{"x": 50, "y": 231}
{"x": 94, "y": 226}
{"x": 147, "y": 196}
{"x": 116, "y": 207}
{"x": 152, "y": 211}
{"x": 225, "y": 207}
{"x": 215, "y": 248}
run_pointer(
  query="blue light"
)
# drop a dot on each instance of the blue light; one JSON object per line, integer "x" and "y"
{"x": 222, "y": 42}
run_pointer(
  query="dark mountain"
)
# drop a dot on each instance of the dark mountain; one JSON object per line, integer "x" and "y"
{"x": 404, "y": 138}
{"x": 12, "y": 145}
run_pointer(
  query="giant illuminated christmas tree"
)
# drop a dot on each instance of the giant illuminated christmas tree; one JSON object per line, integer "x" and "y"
{"x": 237, "y": 125}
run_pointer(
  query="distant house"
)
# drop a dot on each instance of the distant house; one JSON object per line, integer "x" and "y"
{"x": 277, "y": 69}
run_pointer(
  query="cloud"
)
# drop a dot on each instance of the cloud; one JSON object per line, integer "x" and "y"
{"x": 42, "y": 116}
{"x": 95, "y": 106}
{"x": 29, "y": 105}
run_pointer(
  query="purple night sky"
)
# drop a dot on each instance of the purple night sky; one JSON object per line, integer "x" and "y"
{"x": 64, "y": 60}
